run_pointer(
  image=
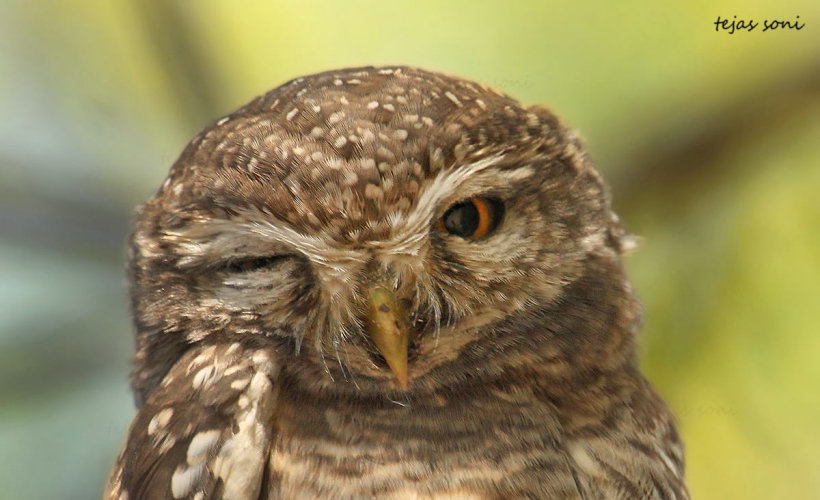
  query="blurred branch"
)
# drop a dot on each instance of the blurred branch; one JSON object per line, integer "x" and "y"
{"x": 89, "y": 227}
{"x": 180, "y": 52}
{"x": 694, "y": 158}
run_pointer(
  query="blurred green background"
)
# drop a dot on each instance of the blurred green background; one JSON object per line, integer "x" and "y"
{"x": 710, "y": 142}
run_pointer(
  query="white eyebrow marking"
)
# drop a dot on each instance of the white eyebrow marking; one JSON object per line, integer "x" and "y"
{"x": 318, "y": 249}
{"x": 258, "y": 230}
{"x": 412, "y": 230}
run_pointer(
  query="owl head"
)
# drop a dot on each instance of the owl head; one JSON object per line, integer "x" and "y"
{"x": 385, "y": 230}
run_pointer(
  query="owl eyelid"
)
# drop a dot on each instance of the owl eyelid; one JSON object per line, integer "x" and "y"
{"x": 254, "y": 263}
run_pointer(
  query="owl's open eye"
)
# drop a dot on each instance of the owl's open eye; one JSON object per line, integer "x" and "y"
{"x": 247, "y": 264}
{"x": 472, "y": 219}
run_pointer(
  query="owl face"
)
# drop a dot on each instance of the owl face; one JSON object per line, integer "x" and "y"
{"x": 371, "y": 222}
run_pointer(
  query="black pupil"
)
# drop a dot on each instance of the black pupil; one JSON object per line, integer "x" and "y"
{"x": 462, "y": 219}
{"x": 253, "y": 263}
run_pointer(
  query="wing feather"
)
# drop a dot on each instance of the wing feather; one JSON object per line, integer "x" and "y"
{"x": 205, "y": 432}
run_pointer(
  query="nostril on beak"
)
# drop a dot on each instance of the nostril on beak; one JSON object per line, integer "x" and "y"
{"x": 388, "y": 329}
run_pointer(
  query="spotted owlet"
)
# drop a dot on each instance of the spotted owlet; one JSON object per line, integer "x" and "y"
{"x": 387, "y": 282}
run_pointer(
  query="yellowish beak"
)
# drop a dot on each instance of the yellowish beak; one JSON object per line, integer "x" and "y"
{"x": 387, "y": 327}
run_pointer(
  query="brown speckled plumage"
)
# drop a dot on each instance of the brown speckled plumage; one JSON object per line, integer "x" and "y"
{"x": 255, "y": 375}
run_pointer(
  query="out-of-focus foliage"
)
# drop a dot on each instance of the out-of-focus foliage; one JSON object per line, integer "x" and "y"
{"x": 710, "y": 140}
